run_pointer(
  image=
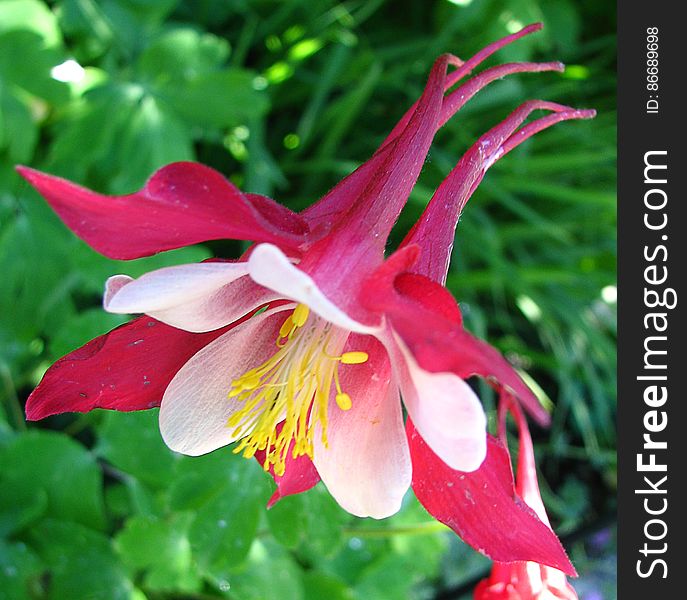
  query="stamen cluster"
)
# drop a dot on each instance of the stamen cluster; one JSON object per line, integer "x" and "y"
{"x": 292, "y": 386}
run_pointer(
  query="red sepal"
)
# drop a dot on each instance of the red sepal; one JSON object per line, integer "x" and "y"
{"x": 126, "y": 369}
{"x": 482, "y": 507}
{"x": 181, "y": 204}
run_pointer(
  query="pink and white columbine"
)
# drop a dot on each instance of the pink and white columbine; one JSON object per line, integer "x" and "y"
{"x": 302, "y": 349}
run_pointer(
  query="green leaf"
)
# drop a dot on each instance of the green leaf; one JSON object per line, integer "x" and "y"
{"x": 131, "y": 442}
{"x": 313, "y": 516}
{"x": 319, "y": 585}
{"x": 35, "y": 291}
{"x": 20, "y": 570}
{"x": 150, "y": 11}
{"x": 8, "y": 394}
{"x": 160, "y": 549}
{"x": 562, "y": 23}
{"x": 81, "y": 562}
{"x": 18, "y": 132}
{"x": 218, "y": 99}
{"x": 184, "y": 68}
{"x": 25, "y": 87}
{"x": 155, "y": 136}
{"x": 30, "y": 15}
{"x": 131, "y": 497}
{"x": 390, "y": 576}
{"x": 85, "y": 23}
{"x": 49, "y": 463}
{"x": 286, "y": 520}
{"x": 270, "y": 574}
{"x": 119, "y": 26}
{"x": 20, "y": 507}
{"x": 182, "y": 54}
{"x": 324, "y": 521}
{"x": 131, "y": 134}
{"x": 390, "y": 557}
{"x": 423, "y": 551}
{"x": 227, "y": 494}
{"x": 25, "y": 62}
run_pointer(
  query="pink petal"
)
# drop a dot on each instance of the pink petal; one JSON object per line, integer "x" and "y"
{"x": 517, "y": 580}
{"x": 125, "y": 369}
{"x": 196, "y": 297}
{"x": 445, "y": 411}
{"x": 366, "y": 463}
{"x": 392, "y": 287}
{"x": 181, "y": 204}
{"x": 271, "y": 268}
{"x": 195, "y": 407}
{"x": 482, "y": 507}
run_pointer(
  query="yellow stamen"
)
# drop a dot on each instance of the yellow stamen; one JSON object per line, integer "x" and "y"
{"x": 354, "y": 358}
{"x": 293, "y": 388}
{"x": 300, "y": 315}
{"x": 344, "y": 401}
{"x": 286, "y": 327}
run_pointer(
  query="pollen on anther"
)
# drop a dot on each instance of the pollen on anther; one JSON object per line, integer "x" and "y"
{"x": 300, "y": 315}
{"x": 344, "y": 401}
{"x": 250, "y": 383}
{"x": 286, "y": 328}
{"x": 354, "y": 358}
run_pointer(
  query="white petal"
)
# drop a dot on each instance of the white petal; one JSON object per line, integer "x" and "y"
{"x": 195, "y": 406}
{"x": 445, "y": 410}
{"x": 270, "y": 267}
{"x": 112, "y": 287}
{"x": 196, "y": 297}
{"x": 171, "y": 286}
{"x": 366, "y": 466}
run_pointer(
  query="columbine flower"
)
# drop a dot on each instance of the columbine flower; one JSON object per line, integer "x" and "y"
{"x": 524, "y": 580}
{"x": 301, "y": 350}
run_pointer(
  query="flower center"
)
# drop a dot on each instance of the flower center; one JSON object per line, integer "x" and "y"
{"x": 292, "y": 386}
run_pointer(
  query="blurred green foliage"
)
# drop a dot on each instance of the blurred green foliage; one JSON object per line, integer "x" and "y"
{"x": 286, "y": 97}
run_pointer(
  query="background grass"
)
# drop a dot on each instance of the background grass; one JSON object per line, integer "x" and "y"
{"x": 285, "y": 98}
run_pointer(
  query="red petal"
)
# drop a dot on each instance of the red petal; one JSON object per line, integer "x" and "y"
{"x": 427, "y": 318}
{"x": 399, "y": 142}
{"x": 300, "y": 476}
{"x": 181, "y": 204}
{"x": 373, "y": 195}
{"x": 482, "y": 507}
{"x": 462, "y": 71}
{"x": 126, "y": 369}
{"x": 429, "y": 295}
{"x": 435, "y": 229}
{"x": 451, "y": 348}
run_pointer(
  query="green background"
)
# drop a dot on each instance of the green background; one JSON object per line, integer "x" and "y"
{"x": 286, "y": 98}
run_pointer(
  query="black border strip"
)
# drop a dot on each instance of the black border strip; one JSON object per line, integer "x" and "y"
{"x": 651, "y": 362}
